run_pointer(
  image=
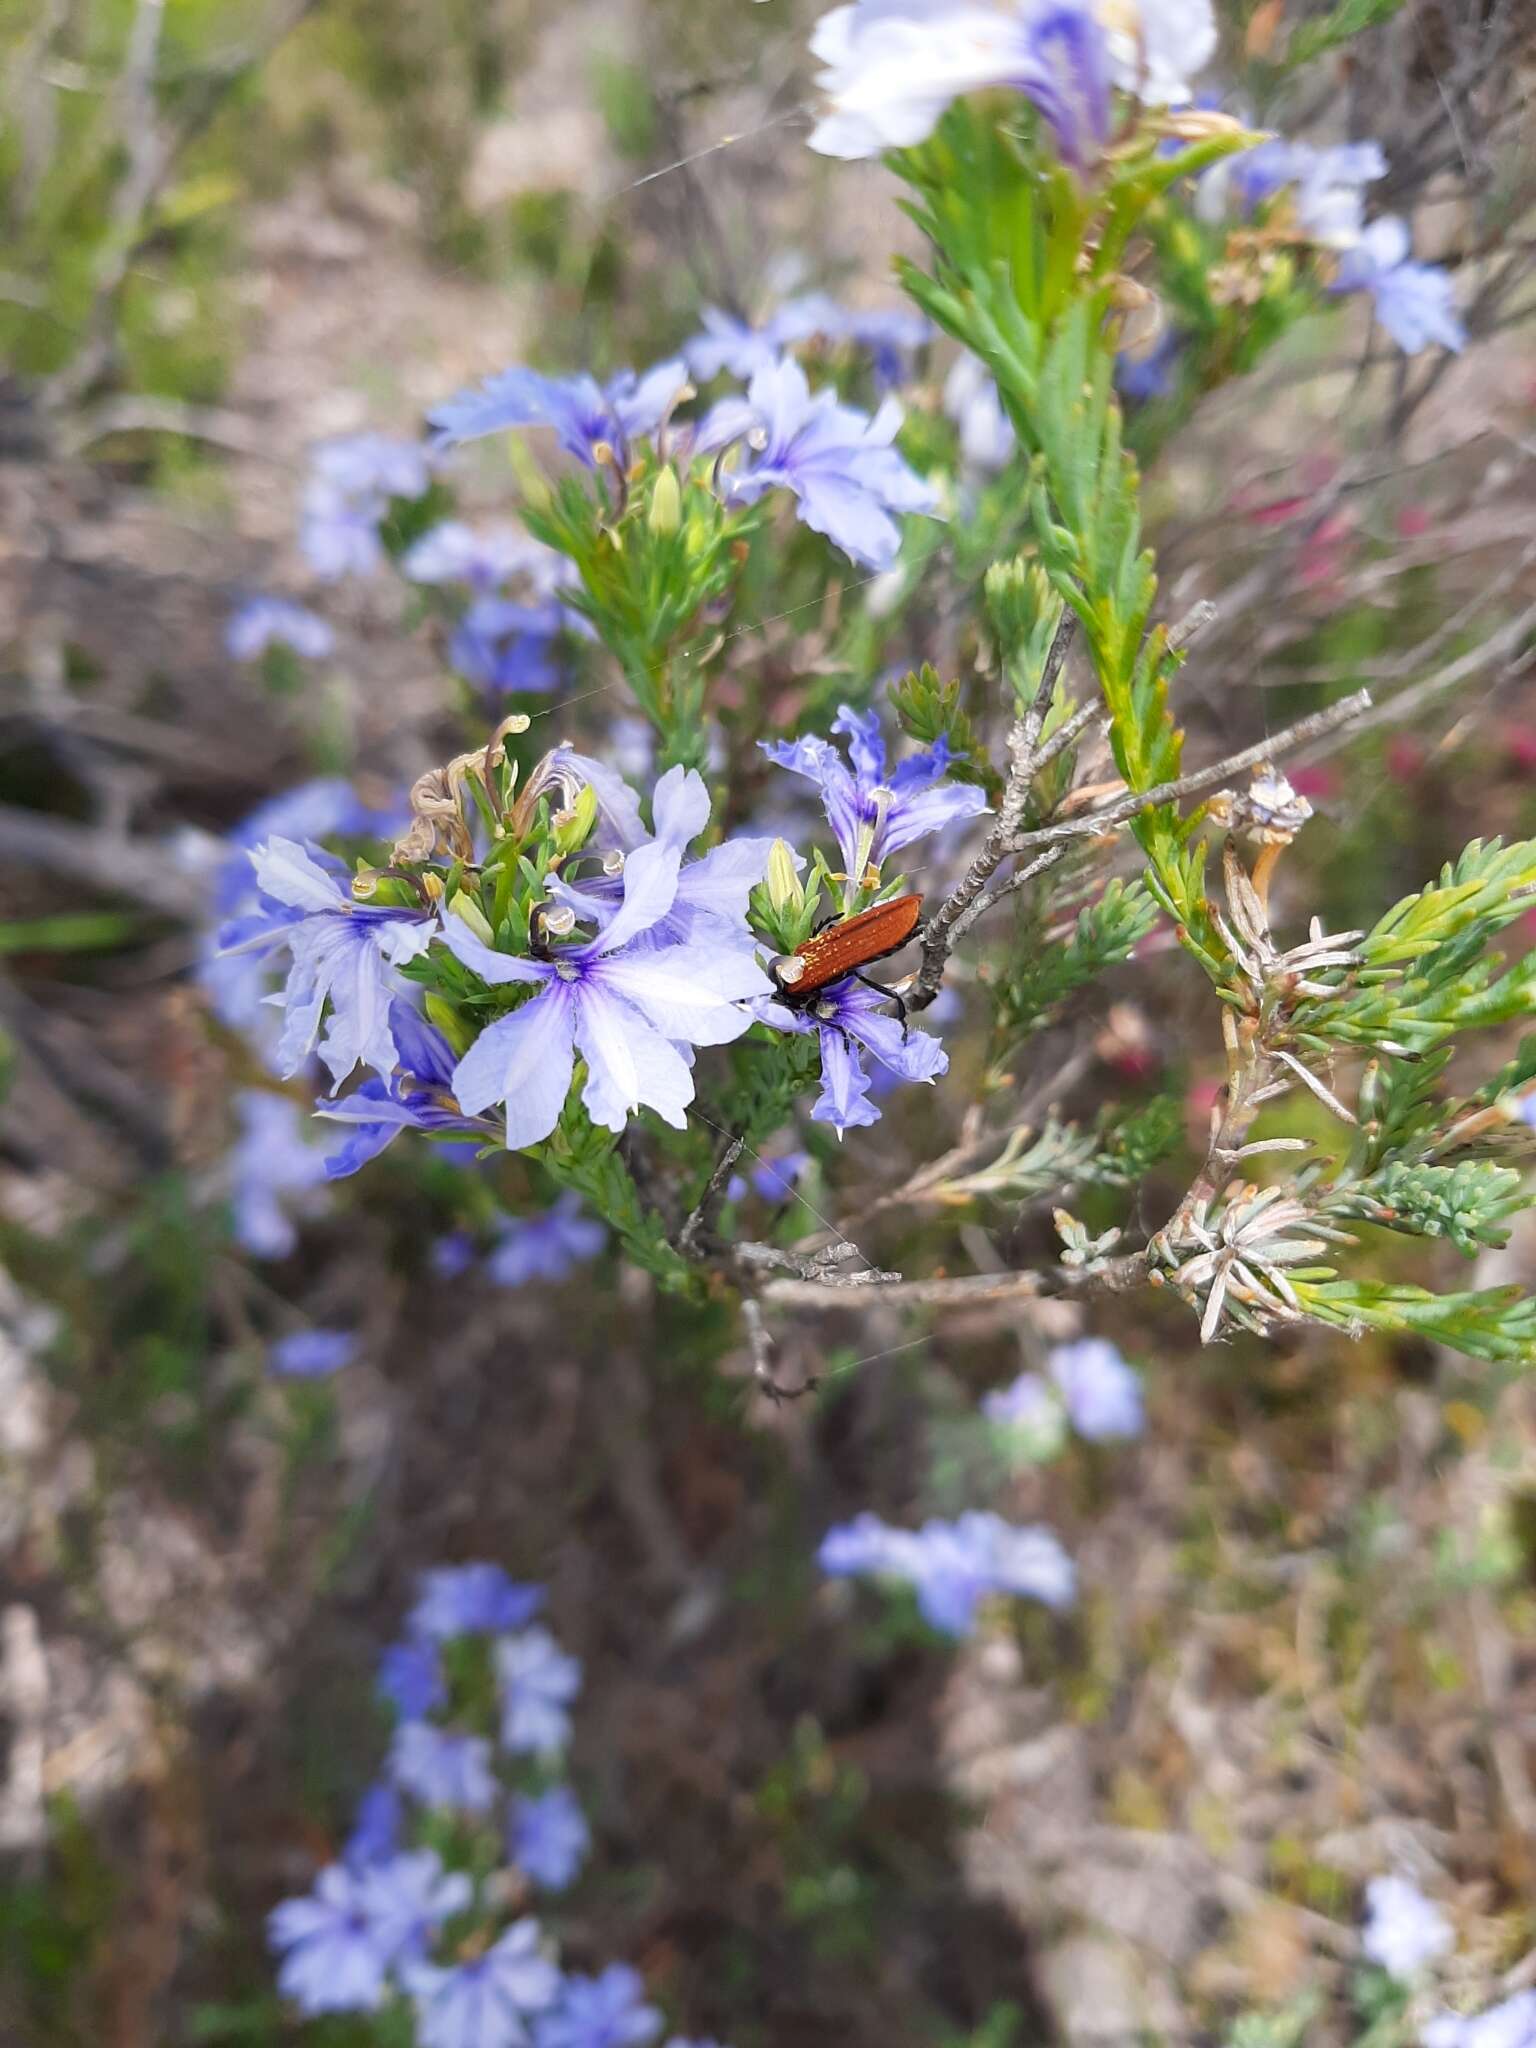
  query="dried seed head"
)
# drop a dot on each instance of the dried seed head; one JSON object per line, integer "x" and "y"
{"x": 1272, "y": 811}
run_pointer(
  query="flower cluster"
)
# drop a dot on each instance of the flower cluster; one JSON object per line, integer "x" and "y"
{"x": 953, "y": 1566}
{"x": 440, "y": 1936}
{"x": 1325, "y": 191}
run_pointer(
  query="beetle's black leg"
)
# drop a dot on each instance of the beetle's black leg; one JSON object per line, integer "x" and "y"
{"x": 890, "y": 995}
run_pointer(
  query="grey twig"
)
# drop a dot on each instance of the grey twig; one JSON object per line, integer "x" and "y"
{"x": 688, "y": 1237}
{"x": 1123, "y": 809}
{"x": 945, "y": 926}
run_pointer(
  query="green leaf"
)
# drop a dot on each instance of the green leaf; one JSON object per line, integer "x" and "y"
{"x": 1468, "y": 1203}
{"x": 1497, "y": 1324}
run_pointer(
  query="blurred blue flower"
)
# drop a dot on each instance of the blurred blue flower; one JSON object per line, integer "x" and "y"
{"x": 546, "y": 1247}
{"x": 471, "y": 1599}
{"x": 1150, "y": 375}
{"x": 375, "y": 1832}
{"x": 453, "y": 552}
{"x": 1101, "y": 1392}
{"x": 273, "y": 1173}
{"x": 351, "y": 482}
{"x": 263, "y": 622}
{"x": 548, "y": 1837}
{"x": 731, "y": 343}
{"x": 411, "y": 1679}
{"x": 585, "y": 415}
{"x": 1404, "y": 1932}
{"x": 893, "y": 66}
{"x": 484, "y": 2003}
{"x": 953, "y": 1566}
{"x": 1510, "y": 2025}
{"x": 339, "y": 1942}
{"x": 874, "y": 811}
{"x": 854, "y": 1019}
{"x": 774, "y": 1176}
{"x": 1415, "y": 302}
{"x": 342, "y": 952}
{"x": 538, "y": 1681}
{"x": 972, "y": 402}
{"x": 841, "y": 466}
{"x": 440, "y": 1767}
{"x": 312, "y": 1354}
{"x": 1031, "y": 1415}
{"x": 418, "y": 1096}
{"x": 607, "y": 2011}
{"x": 500, "y": 645}
{"x": 453, "y": 1254}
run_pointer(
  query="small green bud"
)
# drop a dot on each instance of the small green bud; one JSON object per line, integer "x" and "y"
{"x": 468, "y": 911}
{"x": 573, "y": 828}
{"x": 785, "y": 889}
{"x": 666, "y": 513}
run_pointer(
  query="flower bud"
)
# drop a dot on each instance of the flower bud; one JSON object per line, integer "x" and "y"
{"x": 666, "y": 513}
{"x": 468, "y": 911}
{"x": 450, "y": 1023}
{"x": 785, "y": 889}
{"x": 573, "y": 827}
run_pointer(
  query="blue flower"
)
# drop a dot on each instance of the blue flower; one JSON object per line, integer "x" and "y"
{"x": 840, "y": 464}
{"x": 340, "y": 1941}
{"x": 347, "y": 496}
{"x": 1403, "y": 1931}
{"x": 238, "y": 983}
{"x": 442, "y": 1768}
{"x": 872, "y": 813}
{"x": 623, "y": 1006}
{"x": 484, "y": 2003}
{"x": 342, "y": 953}
{"x": 953, "y": 1566}
{"x": 601, "y": 2012}
{"x": 585, "y": 415}
{"x": 411, "y": 1679}
{"x": 547, "y": 1836}
{"x": 471, "y": 1599}
{"x": 375, "y": 1832}
{"x": 893, "y": 66}
{"x": 263, "y": 622}
{"x": 312, "y": 1354}
{"x": 1101, "y": 1393}
{"x": 546, "y": 1247}
{"x": 1510, "y": 2025}
{"x": 709, "y": 903}
{"x": 852, "y": 1020}
{"x": 500, "y": 645}
{"x": 1415, "y": 302}
{"x": 538, "y": 1682}
{"x": 418, "y": 1096}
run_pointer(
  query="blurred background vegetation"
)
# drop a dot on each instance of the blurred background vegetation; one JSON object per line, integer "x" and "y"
{"x": 1305, "y": 1650}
